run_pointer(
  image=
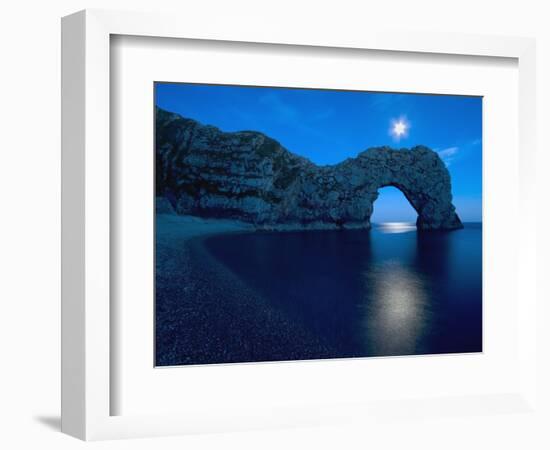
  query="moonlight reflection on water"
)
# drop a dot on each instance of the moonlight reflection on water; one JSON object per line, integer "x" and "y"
{"x": 397, "y": 311}
{"x": 395, "y": 227}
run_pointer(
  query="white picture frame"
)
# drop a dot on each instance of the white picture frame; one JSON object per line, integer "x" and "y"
{"x": 86, "y": 246}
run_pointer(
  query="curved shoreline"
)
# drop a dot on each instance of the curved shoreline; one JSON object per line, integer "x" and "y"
{"x": 206, "y": 315}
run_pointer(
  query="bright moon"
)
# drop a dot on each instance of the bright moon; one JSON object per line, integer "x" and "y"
{"x": 399, "y": 128}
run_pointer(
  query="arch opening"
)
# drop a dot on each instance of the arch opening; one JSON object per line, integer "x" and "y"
{"x": 393, "y": 207}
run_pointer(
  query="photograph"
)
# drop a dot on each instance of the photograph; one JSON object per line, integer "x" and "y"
{"x": 300, "y": 223}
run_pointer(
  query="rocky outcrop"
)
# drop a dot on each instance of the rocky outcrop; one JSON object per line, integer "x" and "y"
{"x": 246, "y": 175}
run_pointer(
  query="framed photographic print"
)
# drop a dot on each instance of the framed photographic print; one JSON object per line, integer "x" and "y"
{"x": 266, "y": 228}
{"x": 330, "y": 251}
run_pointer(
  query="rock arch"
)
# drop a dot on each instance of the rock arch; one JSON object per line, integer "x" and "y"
{"x": 251, "y": 177}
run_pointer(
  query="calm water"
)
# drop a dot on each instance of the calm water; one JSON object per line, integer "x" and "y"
{"x": 387, "y": 291}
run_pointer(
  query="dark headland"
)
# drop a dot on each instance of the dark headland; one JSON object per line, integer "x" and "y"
{"x": 250, "y": 177}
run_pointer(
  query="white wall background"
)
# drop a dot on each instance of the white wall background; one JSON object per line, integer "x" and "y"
{"x": 30, "y": 198}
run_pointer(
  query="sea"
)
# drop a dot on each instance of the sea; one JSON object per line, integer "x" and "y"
{"x": 388, "y": 291}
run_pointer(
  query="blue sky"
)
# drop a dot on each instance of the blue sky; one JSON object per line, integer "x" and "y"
{"x": 329, "y": 126}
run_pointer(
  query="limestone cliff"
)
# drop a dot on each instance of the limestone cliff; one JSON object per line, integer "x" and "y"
{"x": 249, "y": 176}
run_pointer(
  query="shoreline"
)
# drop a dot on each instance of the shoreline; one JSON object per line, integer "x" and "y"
{"x": 188, "y": 227}
{"x": 206, "y": 314}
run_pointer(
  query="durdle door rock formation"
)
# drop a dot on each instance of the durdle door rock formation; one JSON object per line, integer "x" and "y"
{"x": 248, "y": 176}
